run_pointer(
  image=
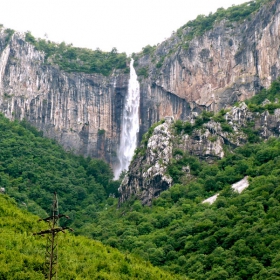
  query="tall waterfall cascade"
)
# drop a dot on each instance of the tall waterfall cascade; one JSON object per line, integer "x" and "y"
{"x": 130, "y": 124}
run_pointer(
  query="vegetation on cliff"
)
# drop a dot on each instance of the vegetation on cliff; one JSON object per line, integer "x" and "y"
{"x": 22, "y": 255}
{"x": 235, "y": 13}
{"x": 9, "y": 33}
{"x": 72, "y": 59}
{"x": 267, "y": 99}
{"x": 140, "y": 151}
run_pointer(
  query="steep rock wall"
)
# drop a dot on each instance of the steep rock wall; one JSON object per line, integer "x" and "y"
{"x": 229, "y": 63}
{"x": 81, "y": 111}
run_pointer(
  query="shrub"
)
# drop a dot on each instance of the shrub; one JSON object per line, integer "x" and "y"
{"x": 226, "y": 127}
{"x": 143, "y": 72}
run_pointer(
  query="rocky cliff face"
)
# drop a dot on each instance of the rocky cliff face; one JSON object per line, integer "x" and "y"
{"x": 148, "y": 176}
{"x": 81, "y": 111}
{"x": 229, "y": 63}
{"x": 147, "y": 173}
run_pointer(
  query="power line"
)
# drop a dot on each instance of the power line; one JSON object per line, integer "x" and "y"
{"x": 51, "y": 257}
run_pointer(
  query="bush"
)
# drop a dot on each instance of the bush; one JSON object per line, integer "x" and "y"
{"x": 188, "y": 128}
{"x": 148, "y": 50}
{"x": 9, "y": 33}
{"x": 226, "y": 127}
{"x": 143, "y": 72}
{"x": 255, "y": 103}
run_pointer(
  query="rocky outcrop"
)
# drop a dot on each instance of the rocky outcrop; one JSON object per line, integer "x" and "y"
{"x": 265, "y": 124}
{"x": 207, "y": 143}
{"x": 81, "y": 111}
{"x": 147, "y": 176}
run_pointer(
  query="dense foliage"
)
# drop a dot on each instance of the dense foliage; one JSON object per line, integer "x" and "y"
{"x": 22, "y": 255}
{"x": 187, "y": 127}
{"x": 72, "y": 59}
{"x": 32, "y": 168}
{"x": 235, "y": 238}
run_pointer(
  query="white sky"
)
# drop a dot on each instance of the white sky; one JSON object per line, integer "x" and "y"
{"x": 128, "y": 25}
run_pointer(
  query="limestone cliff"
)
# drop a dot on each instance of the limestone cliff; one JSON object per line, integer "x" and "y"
{"x": 81, "y": 111}
{"x": 227, "y": 63}
{"x": 231, "y": 62}
{"x": 148, "y": 173}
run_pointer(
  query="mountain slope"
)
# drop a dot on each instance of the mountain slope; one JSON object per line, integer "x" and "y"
{"x": 236, "y": 237}
{"x": 177, "y": 232}
{"x": 164, "y": 153}
{"x": 73, "y": 95}
{"x": 22, "y": 255}
{"x": 33, "y": 167}
{"x": 211, "y": 62}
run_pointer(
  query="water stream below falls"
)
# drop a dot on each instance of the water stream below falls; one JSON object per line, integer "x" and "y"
{"x": 130, "y": 124}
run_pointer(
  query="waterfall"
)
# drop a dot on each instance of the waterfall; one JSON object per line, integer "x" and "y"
{"x": 130, "y": 124}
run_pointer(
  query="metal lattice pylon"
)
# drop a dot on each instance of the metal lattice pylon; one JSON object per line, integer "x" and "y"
{"x": 51, "y": 257}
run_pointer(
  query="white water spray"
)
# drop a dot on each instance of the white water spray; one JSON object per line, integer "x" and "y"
{"x": 130, "y": 124}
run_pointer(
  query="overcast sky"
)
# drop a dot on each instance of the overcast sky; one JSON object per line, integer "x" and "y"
{"x": 127, "y": 25}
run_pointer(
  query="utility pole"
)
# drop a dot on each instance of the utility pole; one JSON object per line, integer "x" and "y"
{"x": 51, "y": 257}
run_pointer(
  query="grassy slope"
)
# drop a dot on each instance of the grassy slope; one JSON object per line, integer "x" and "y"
{"x": 22, "y": 255}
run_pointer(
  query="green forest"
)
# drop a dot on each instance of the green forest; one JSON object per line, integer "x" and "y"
{"x": 73, "y": 59}
{"x": 22, "y": 255}
{"x": 33, "y": 167}
{"x": 235, "y": 238}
